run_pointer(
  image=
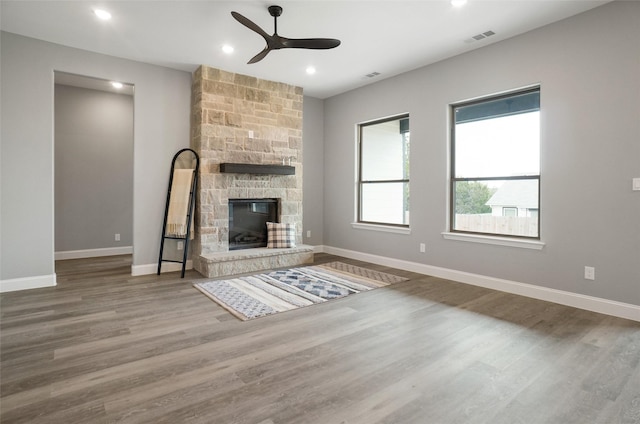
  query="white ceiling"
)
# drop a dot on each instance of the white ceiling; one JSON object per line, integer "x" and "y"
{"x": 389, "y": 37}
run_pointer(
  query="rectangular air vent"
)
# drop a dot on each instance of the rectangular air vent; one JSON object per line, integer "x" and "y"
{"x": 480, "y": 36}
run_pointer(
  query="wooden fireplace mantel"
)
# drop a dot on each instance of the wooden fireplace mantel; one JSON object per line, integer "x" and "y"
{"x": 248, "y": 168}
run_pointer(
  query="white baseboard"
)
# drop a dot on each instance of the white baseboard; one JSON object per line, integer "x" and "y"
{"x": 25, "y": 283}
{"x": 576, "y": 300}
{"x": 93, "y": 253}
{"x": 318, "y": 249}
{"x": 153, "y": 268}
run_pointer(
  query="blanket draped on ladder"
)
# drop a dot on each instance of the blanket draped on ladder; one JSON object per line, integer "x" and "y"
{"x": 179, "y": 203}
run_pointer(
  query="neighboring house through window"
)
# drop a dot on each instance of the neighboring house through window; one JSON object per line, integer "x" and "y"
{"x": 495, "y": 165}
{"x": 383, "y": 177}
{"x": 515, "y": 198}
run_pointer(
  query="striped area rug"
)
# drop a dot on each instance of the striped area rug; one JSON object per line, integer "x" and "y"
{"x": 277, "y": 291}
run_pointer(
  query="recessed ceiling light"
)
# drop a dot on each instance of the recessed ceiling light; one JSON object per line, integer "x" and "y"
{"x": 311, "y": 70}
{"x": 102, "y": 14}
{"x": 458, "y": 3}
{"x": 116, "y": 84}
{"x": 227, "y": 49}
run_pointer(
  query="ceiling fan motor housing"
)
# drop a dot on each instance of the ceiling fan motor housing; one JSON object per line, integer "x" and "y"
{"x": 275, "y": 11}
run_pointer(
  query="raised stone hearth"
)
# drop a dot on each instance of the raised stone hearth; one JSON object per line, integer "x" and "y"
{"x": 238, "y": 119}
{"x": 252, "y": 260}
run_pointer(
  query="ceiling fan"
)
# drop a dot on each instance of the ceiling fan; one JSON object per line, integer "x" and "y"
{"x": 275, "y": 42}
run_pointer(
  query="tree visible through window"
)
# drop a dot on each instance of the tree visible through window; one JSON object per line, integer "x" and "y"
{"x": 495, "y": 165}
{"x": 383, "y": 180}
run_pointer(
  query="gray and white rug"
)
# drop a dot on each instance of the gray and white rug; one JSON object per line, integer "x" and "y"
{"x": 277, "y": 291}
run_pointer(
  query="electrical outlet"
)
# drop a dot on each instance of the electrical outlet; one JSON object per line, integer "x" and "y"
{"x": 308, "y": 233}
{"x": 180, "y": 245}
{"x": 423, "y": 248}
{"x": 117, "y": 237}
{"x": 589, "y": 273}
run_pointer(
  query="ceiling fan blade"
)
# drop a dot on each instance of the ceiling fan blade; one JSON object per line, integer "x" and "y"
{"x": 259, "y": 56}
{"x": 309, "y": 43}
{"x": 251, "y": 25}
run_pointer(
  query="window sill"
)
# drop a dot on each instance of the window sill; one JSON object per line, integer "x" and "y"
{"x": 382, "y": 228}
{"x": 495, "y": 240}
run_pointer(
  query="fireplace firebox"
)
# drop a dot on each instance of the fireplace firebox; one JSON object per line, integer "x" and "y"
{"x": 248, "y": 222}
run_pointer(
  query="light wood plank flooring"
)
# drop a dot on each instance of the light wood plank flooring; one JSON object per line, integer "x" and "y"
{"x": 105, "y": 347}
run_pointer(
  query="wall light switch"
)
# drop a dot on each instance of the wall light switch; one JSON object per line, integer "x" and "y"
{"x": 117, "y": 237}
{"x": 636, "y": 184}
{"x": 423, "y": 248}
{"x": 308, "y": 233}
{"x": 250, "y": 134}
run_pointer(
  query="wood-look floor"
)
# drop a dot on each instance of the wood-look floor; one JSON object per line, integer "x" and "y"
{"x": 105, "y": 347}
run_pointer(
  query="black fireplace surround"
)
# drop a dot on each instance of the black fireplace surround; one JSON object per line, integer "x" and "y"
{"x": 248, "y": 222}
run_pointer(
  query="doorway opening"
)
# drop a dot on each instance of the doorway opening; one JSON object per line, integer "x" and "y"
{"x": 93, "y": 167}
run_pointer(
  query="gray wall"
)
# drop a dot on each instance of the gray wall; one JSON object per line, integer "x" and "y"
{"x": 588, "y": 67}
{"x": 93, "y": 151}
{"x": 161, "y": 110}
{"x": 313, "y": 165}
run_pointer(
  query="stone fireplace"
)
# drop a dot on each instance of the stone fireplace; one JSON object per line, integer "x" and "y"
{"x": 246, "y": 132}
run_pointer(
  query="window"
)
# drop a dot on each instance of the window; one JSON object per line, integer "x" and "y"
{"x": 506, "y": 211}
{"x": 383, "y": 177}
{"x": 495, "y": 165}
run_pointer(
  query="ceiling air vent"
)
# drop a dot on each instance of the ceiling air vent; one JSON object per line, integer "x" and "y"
{"x": 372, "y": 74}
{"x": 480, "y": 36}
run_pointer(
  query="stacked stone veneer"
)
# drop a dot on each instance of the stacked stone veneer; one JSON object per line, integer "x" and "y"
{"x": 242, "y": 119}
